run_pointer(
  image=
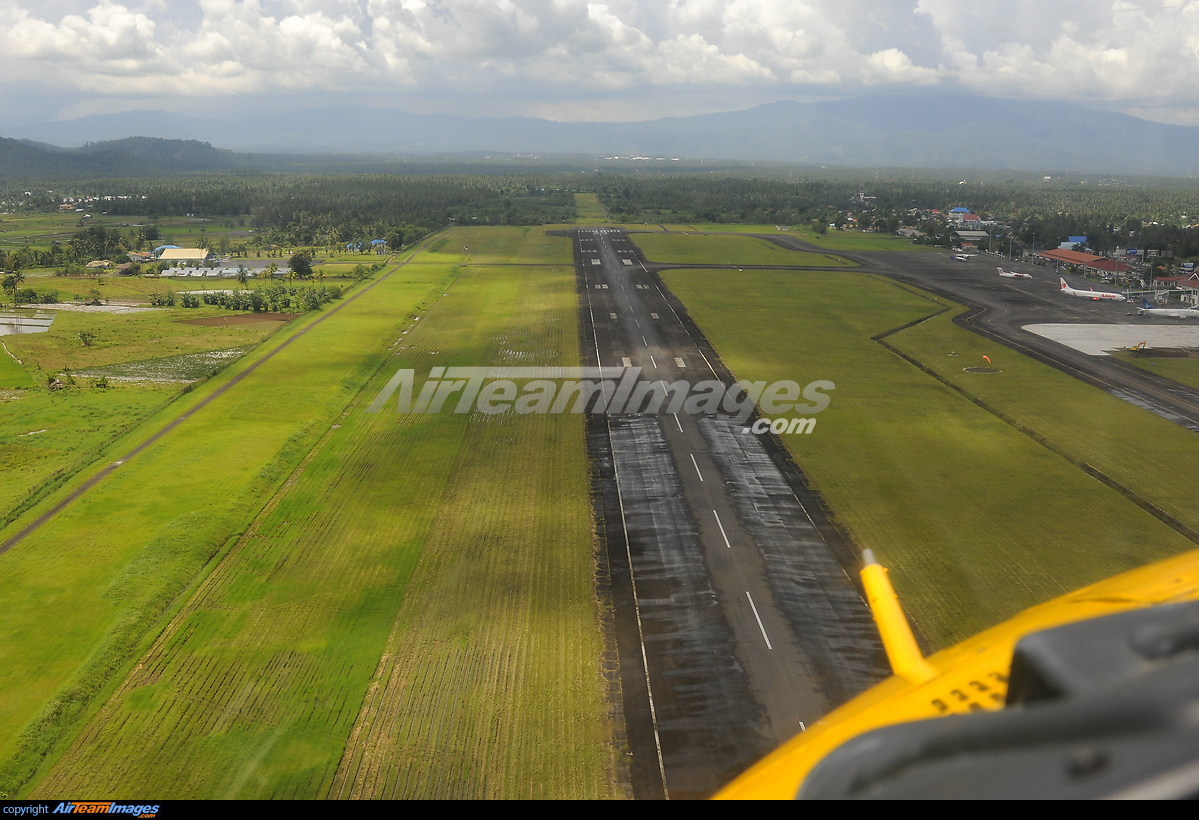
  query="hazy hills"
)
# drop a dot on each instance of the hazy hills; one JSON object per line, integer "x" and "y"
{"x": 917, "y": 132}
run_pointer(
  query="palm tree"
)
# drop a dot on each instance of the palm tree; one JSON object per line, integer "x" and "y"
{"x": 12, "y": 282}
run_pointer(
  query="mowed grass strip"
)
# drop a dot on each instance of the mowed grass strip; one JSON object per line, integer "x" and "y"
{"x": 1183, "y": 371}
{"x": 489, "y": 684}
{"x": 494, "y": 245}
{"x": 1145, "y": 453}
{"x": 726, "y": 249}
{"x": 832, "y": 240}
{"x": 974, "y": 519}
{"x": 256, "y": 684}
{"x": 79, "y": 593}
{"x": 588, "y": 210}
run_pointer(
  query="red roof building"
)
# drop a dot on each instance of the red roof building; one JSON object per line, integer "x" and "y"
{"x": 1071, "y": 257}
{"x": 1110, "y": 266}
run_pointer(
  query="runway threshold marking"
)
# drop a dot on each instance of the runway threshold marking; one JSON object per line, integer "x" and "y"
{"x": 759, "y": 620}
{"x": 698, "y": 473}
{"x": 723, "y": 534}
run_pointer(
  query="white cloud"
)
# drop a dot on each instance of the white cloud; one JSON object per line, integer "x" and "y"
{"x": 893, "y": 66}
{"x": 547, "y": 50}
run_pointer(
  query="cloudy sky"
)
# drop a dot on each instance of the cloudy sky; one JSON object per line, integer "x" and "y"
{"x": 578, "y": 60}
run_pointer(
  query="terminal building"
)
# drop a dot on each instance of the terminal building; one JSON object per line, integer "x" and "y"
{"x": 1088, "y": 262}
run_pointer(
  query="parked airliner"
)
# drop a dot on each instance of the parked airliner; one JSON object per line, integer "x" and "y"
{"x": 1169, "y": 313}
{"x": 1013, "y": 275}
{"x": 1091, "y": 294}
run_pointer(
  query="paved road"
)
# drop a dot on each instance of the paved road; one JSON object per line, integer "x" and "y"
{"x": 737, "y": 620}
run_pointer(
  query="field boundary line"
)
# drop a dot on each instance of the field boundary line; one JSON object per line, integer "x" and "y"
{"x": 220, "y": 391}
{"x": 1091, "y": 470}
{"x": 150, "y": 645}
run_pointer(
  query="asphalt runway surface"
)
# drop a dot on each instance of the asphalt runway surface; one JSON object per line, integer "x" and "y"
{"x": 737, "y": 618}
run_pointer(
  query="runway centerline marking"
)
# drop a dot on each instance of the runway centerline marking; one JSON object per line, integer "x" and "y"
{"x": 676, "y": 420}
{"x": 759, "y": 620}
{"x": 698, "y": 473}
{"x": 655, "y": 361}
{"x": 644, "y": 342}
{"x": 723, "y": 534}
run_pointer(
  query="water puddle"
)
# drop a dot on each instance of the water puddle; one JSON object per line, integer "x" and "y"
{"x": 13, "y": 323}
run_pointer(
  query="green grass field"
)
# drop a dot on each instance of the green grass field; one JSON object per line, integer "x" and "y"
{"x": 833, "y": 240}
{"x": 729, "y": 249}
{"x": 81, "y": 592}
{"x": 39, "y": 230}
{"x": 1140, "y": 450}
{"x": 489, "y": 246}
{"x": 12, "y": 372}
{"x": 974, "y": 519}
{"x": 46, "y": 436}
{"x": 132, "y": 337}
{"x": 859, "y": 241}
{"x": 1183, "y": 371}
{"x": 356, "y": 554}
{"x": 588, "y": 210}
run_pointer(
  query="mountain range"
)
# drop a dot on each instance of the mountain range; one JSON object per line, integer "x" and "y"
{"x": 876, "y": 131}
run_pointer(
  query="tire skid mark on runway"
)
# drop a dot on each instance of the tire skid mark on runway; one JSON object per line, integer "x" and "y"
{"x": 706, "y": 713}
{"x": 828, "y": 616}
{"x": 727, "y": 696}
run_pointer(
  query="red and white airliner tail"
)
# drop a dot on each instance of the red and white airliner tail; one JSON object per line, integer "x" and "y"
{"x": 1011, "y": 274}
{"x": 1091, "y": 294}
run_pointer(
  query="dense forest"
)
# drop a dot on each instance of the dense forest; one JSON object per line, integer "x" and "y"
{"x": 292, "y": 210}
{"x": 1148, "y": 213}
{"x": 333, "y": 210}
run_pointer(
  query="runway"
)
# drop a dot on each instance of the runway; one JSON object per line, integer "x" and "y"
{"x": 737, "y": 619}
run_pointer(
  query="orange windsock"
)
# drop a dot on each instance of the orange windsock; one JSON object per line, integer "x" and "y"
{"x": 988, "y": 358}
